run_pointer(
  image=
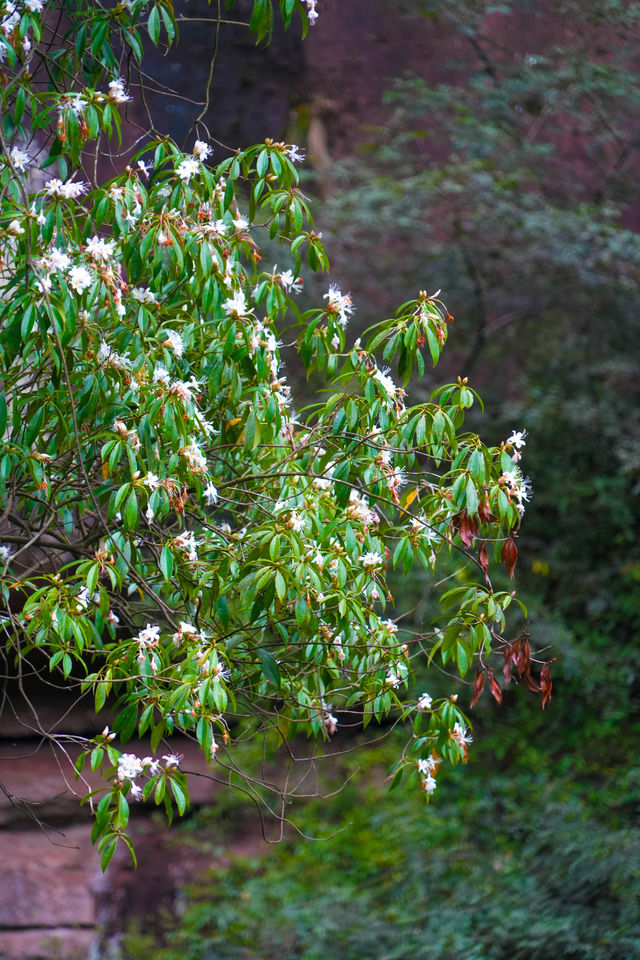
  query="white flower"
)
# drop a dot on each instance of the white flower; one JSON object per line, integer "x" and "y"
{"x": 40, "y": 217}
{"x": 210, "y": 495}
{"x": 119, "y": 305}
{"x": 82, "y": 599}
{"x": 220, "y": 673}
{"x": 340, "y": 304}
{"x": 35, "y": 6}
{"x": 429, "y": 784}
{"x": 142, "y": 295}
{"x": 312, "y": 13}
{"x": 460, "y": 735}
{"x": 427, "y": 766}
{"x": 517, "y": 439}
{"x": 148, "y": 637}
{"x": 296, "y": 522}
{"x": 70, "y": 190}
{"x": 174, "y": 342}
{"x": 372, "y": 560}
{"x": 201, "y": 149}
{"x": 236, "y": 306}
{"x": 58, "y": 260}
{"x": 358, "y": 508}
{"x": 136, "y": 792}
{"x": 517, "y": 486}
{"x": 161, "y": 374}
{"x": 19, "y": 159}
{"x": 389, "y": 626}
{"x": 294, "y": 153}
{"x": 186, "y": 629}
{"x": 10, "y": 22}
{"x": 100, "y": 249}
{"x": 186, "y": 168}
{"x": 186, "y": 541}
{"x": 143, "y": 168}
{"x": 330, "y": 724}
{"x": 80, "y": 279}
{"x": 424, "y": 702}
{"x": 289, "y": 283}
{"x": 385, "y": 381}
{"x": 196, "y": 460}
{"x": 184, "y": 390}
{"x": 117, "y": 91}
{"x": 129, "y": 767}
{"x": 5, "y": 553}
{"x": 172, "y": 760}
{"x": 240, "y": 223}
{"x": 151, "y": 766}
{"x": 16, "y": 228}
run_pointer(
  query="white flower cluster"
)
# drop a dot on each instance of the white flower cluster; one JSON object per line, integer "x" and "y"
{"x": 426, "y": 768}
{"x": 99, "y": 249}
{"x": 339, "y": 304}
{"x": 19, "y": 159}
{"x": 460, "y": 736}
{"x": 515, "y": 484}
{"x": 358, "y": 508}
{"x": 12, "y": 13}
{"x": 187, "y": 542}
{"x": 424, "y": 702}
{"x": 147, "y": 640}
{"x": 117, "y": 92}
{"x": 312, "y": 13}
{"x": 70, "y": 190}
{"x": 288, "y": 282}
{"x": 173, "y": 341}
{"x": 130, "y": 767}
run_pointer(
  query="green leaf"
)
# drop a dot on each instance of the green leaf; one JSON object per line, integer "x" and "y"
{"x": 153, "y": 26}
{"x": 107, "y": 853}
{"x": 130, "y": 515}
{"x": 270, "y": 669}
{"x": 166, "y": 562}
{"x": 471, "y": 498}
{"x": 179, "y": 795}
{"x": 281, "y": 586}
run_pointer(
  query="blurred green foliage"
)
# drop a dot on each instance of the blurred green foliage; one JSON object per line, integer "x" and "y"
{"x": 502, "y": 867}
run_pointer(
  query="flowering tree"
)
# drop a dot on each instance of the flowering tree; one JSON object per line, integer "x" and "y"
{"x": 176, "y": 539}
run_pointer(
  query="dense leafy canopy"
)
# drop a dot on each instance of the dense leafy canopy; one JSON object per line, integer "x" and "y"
{"x": 177, "y": 539}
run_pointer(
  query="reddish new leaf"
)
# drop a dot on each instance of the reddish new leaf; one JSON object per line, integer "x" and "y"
{"x": 484, "y": 561}
{"x": 467, "y": 528}
{"x": 524, "y": 655}
{"x": 533, "y": 685}
{"x": 478, "y": 687}
{"x": 545, "y": 684}
{"x": 484, "y": 512}
{"x": 509, "y": 556}
{"x": 494, "y": 686}
{"x": 508, "y": 657}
